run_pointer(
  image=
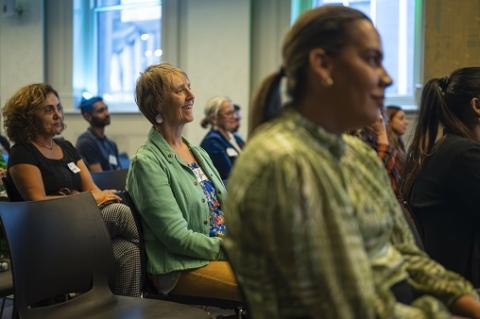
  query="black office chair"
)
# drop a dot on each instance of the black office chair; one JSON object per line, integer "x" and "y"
{"x": 114, "y": 179}
{"x": 12, "y": 191}
{"x": 62, "y": 246}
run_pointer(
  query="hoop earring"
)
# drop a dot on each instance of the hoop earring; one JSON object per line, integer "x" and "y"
{"x": 159, "y": 119}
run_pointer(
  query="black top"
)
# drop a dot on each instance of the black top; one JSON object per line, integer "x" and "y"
{"x": 56, "y": 174}
{"x": 445, "y": 200}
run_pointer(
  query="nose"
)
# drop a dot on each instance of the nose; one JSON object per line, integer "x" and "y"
{"x": 57, "y": 113}
{"x": 385, "y": 78}
{"x": 190, "y": 95}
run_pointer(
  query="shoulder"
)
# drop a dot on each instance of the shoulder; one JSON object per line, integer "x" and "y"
{"x": 273, "y": 148}
{"x": 198, "y": 150}
{"x": 360, "y": 155}
{"x": 454, "y": 142}
{"x": 111, "y": 142}
{"x": 86, "y": 138}
{"x": 462, "y": 149}
{"x": 67, "y": 147}
{"x": 212, "y": 137}
{"x": 148, "y": 155}
{"x": 20, "y": 147}
{"x": 359, "y": 147}
{"x": 22, "y": 153}
{"x": 64, "y": 144}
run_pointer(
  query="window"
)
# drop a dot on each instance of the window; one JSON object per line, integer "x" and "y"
{"x": 399, "y": 24}
{"x": 115, "y": 40}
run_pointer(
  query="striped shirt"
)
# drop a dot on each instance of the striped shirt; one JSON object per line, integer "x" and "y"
{"x": 315, "y": 231}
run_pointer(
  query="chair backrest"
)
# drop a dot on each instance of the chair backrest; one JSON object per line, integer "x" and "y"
{"x": 12, "y": 191}
{"x": 57, "y": 246}
{"x": 114, "y": 179}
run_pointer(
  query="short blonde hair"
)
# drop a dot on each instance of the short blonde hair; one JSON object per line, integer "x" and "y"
{"x": 152, "y": 87}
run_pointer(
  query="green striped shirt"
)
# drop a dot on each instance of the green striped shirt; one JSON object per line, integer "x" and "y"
{"x": 314, "y": 230}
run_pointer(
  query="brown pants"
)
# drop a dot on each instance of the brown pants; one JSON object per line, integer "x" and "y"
{"x": 215, "y": 280}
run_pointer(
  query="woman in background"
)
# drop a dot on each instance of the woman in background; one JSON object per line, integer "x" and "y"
{"x": 178, "y": 193}
{"x": 315, "y": 231}
{"x": 221, "y": 143}
{"x": 397, "y": 126}
{"x": 443, "y": 178}
{"x": 42, "y": 167}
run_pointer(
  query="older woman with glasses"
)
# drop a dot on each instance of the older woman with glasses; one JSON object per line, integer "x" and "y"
{"x": 220, "y": 143}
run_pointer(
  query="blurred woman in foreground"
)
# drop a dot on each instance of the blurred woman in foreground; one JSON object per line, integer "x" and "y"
{"x": 315, "y": 230}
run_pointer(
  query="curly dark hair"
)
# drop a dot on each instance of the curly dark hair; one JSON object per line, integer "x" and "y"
{"x": 20, "y": 121}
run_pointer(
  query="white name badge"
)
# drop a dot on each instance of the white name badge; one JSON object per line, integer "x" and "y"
{"x": 231, "y": 152}
{"x": 112, "y": 160}
{"x": 74, "y": 168}
{"x": 199, "y": 174}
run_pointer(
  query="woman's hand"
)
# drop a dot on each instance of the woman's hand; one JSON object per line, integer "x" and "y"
{"x": 108, "y": 195}
{"x": 380, "y": 130}
{"x": 467, "y": 306}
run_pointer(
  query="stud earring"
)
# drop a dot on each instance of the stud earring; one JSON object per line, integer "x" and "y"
{"x": 327, "y": 82}
{"x": 159, "y": 119}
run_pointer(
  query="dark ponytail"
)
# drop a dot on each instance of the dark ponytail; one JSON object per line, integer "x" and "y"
{"x": 267, "y": 103}
{"x": 444, "y": 106}
{"x": 323, "y": 27}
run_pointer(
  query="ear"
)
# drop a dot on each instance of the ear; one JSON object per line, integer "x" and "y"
{"x": 475, "y": 104}
{"x": 87, "y": 116}
{"x": 321, "y": 64}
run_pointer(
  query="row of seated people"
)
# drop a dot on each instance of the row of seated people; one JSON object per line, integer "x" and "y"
{"x": 183, "y": 227}
{"x": 314, "y": 227}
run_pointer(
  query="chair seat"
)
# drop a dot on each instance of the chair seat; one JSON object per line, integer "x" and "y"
{"x": 6, "y": 283}
{"x": 119, "y": 307}
{"x": 131, "y": 308}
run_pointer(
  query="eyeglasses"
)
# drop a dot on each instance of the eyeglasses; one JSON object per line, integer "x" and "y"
{"x": 227, "y": 114}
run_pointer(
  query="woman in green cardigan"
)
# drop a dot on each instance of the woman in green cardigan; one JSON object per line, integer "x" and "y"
{"x": 178, "y": 193}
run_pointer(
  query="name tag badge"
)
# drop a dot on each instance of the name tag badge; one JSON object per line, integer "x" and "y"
{"x": 74, "y": 168}
{"x": 231, "y": 152}
{"x": 112, "y": 160}
{"x": 201, "y": 177}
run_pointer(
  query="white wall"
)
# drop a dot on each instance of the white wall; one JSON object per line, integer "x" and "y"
{"x": 226, "y": 46}
{"x": 21, "y": 48}
{"x": 215, "y": 52}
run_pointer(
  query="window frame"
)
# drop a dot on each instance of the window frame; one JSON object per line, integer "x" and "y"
{"x": 85, "y": 64}
{"x": 408, "y": 102}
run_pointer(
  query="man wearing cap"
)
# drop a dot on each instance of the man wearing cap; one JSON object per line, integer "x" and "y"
{"x": 98, "y": 152}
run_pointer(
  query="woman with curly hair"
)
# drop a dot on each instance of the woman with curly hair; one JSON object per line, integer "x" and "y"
{"x": 41, "y": 167}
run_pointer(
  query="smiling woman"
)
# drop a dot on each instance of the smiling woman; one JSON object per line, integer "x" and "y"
{"x": 179, "y": 193}
{"x": 220, "y": 143}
